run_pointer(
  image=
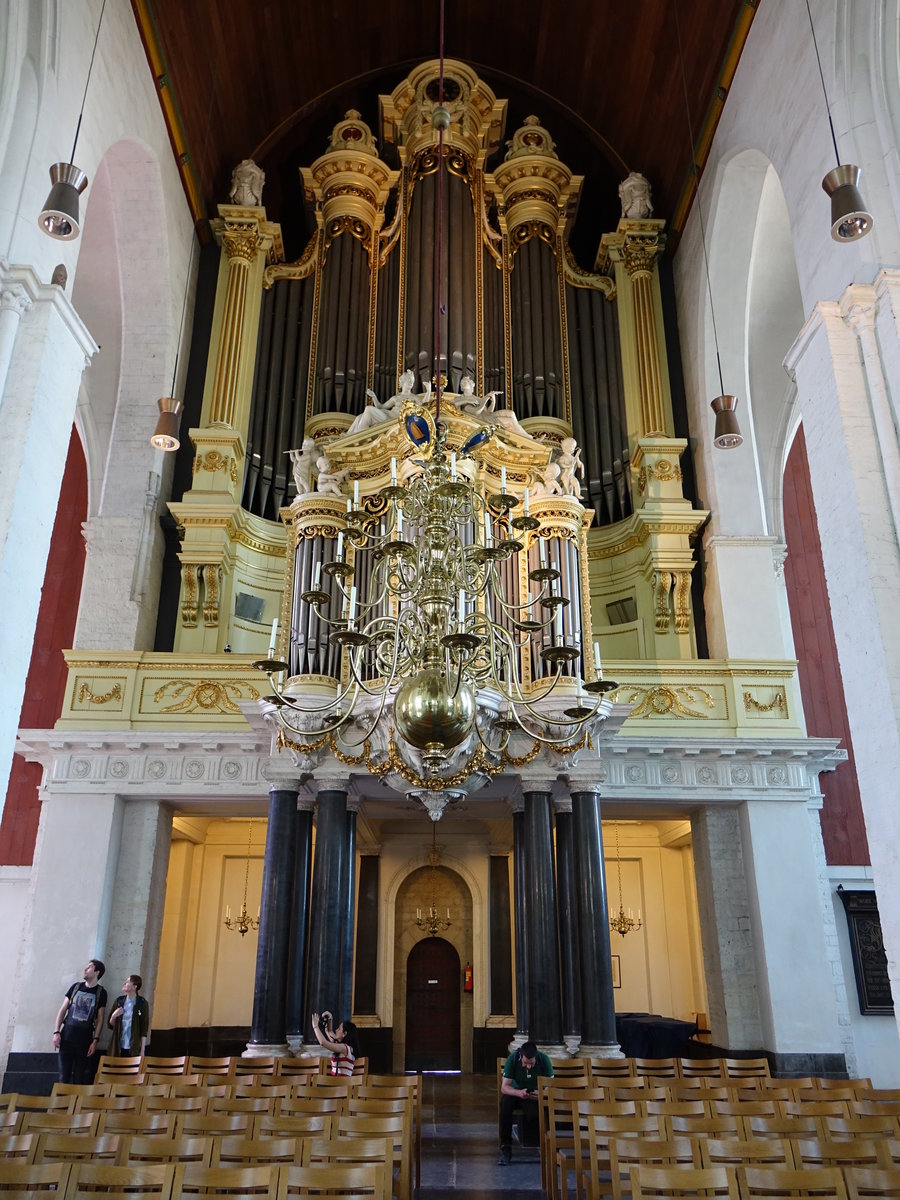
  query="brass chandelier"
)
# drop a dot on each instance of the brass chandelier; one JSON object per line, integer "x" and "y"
{"x": 623, "y": 923}
{"x": 435, "y": 641}
{"x": 429, "y": 919}
{"x": 243, "y": 922}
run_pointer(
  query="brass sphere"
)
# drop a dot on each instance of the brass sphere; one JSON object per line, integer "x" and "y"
{"x": 427, "y": 715}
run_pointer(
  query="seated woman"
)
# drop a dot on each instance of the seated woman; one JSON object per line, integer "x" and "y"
{"x": 343, "y": 1043}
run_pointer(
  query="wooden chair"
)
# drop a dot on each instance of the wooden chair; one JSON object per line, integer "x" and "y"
{"x": 109, "y": 1068}
{"x": 43, "y": 1104}
{"x": 658, "y": 1068}
{"x": 702, "y": 1127}
{"x": 838, "y": 1128}
{"x": 395, "y": 1127}
{"x": 154, "y": 1078}
{"x": 666, "y": 1109}
{"x": 289, "y": 1068}
{"x": 85, "y": 1124}
{"x": 890, "y": 1149}
{"x": 336, "y": 1180}
{"x": 361, "y": 1067}
{"x": 91, "y": 1103}
{"x": 190, "y": 1124}
{"x": 625, "y": 1153}
{"x": 10, "y": 1122}
{"x": 177, "y": 1104}
{"x": 351, "y": 1151}
{"x": 817, "y": 1152}
{"x": 254, "y": 1152}
{"x": 194, "y": 1180}
{"x": 570, "y": 1068}
{"x": 743, "y": 1110}
{"x": 80, "y": 1089}
{"x": 812, "y": 1108}
{"x": 815, "y": 1093}
{"x": 198, "y": 1064}
{"x": 861, "y": 1086}
{"x": 871, "y": 1181}
{"x": 877, "y": 1094}
{"x": 121, "y": 1183}
{"x": 203, "y": 1091}
{"x": 137, "y": 1092}
{"x": 603, "y": 1130}
{"x": 264, "y": 1065}
{"x": 19, "y": 1179}
{"x": 255, "y": 1089}
{"x": 68, "y": 1147}
{"x": 339, "y": 1090}
{"x": 173, "y": 1065}
{"x": 289, "y": 1106}
{"x": 6, "y": 1101}
{"x": 168, "y": 1150}
{"x": 569, "y": 1131}
{"x": 784, "y": 1181}
{"x": 413, "y": 1084}
{"x": 612, "y": 1067}
{"x": 736, "y": 1152}
{"x": 553, "y": 1096}
{"x": 874, "y": 1108}
{"x": 138, "y": 1124}
{"x": 746, "y": 1068}
{"x": 241, "y": 1104}
{"x": 302, "y": 1126}
{"x": 344, "y": 1084}
{"x": 696, "y": 1088}
{"x": 782, "y": 1127}
{"x": 18, "y": 1147}
{"x": 683, "y": 1181}
{"x": 706, "y": 1068}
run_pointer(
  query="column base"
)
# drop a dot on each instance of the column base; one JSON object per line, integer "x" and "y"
{"x": 600, "y": 1050}
{"x": 266, "y": 1050}
{"x": 554, "y": 1050}
{"x": 573, "y": 1041}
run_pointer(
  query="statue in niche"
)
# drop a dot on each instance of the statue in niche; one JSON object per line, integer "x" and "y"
{"x": 548, "y": 484}
{"x": 329, "y": 482}
{"x": 247, "y": 181}
{"x": 634, "y": 192}
{"x": 569, "y": 462}
{"x": 377, "y": 413}
{"x": 302, "y": 463}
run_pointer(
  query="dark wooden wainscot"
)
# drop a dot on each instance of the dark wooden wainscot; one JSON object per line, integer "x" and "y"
{"x": 867, "y": 948}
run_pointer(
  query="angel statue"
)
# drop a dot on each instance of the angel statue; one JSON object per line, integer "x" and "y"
{"x": 486, "y": 408}
{"x": 302, "y": 463}
{"x": 548, "y": 484}
{"x": 329, "y": 483}
{"x": 569, "y": 461}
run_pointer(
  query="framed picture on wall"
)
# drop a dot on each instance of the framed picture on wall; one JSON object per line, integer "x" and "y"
{"x": 616, "y": 971}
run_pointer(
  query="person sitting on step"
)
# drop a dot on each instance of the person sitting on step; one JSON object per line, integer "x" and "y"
{"x": 518, "y": 1090}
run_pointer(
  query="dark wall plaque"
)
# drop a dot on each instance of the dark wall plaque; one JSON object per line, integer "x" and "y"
{"x": 867, "y": 948}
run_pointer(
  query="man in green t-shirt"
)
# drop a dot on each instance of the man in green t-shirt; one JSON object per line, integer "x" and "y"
{"x": 518, "y": 1090}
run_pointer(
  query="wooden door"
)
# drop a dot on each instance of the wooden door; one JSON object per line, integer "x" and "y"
{"x": 432, "y": 1006}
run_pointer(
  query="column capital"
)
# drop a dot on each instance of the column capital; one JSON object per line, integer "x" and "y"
{"x": 542, "y": 784}
{"x": 635, "y": 244}
{"x": 286, "y": 784}
{"x": 562, "y": 803}
{"x": 243, "y": 232}
{"x": 14, "y": 298}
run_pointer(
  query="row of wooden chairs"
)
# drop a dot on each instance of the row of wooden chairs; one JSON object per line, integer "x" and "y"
{"x": 225, "y": 1066}
{"x": 168, "y": 1181}
{"x": 672, "y": 1068}
{"x": 747, "y": 1183}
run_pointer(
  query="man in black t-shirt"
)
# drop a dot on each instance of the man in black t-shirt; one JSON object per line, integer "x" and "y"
{"x": 76, "y": 1034}
{"x": 519, "y": 1089}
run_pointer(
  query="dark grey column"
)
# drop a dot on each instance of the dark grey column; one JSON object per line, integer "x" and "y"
{"x": 299, "y": 917}
{"x": 323, "y": 972}
{"x": 347, "y": 917}
{"x": 598, "y": 1013}
{"x": 365, "y": 977}
{"x": 568, "y": 926}
{"x": 521, "y": 920}
{"x": 273, "y": 947}
{"x": 544, "y": 1006}
{"x": 499, "y": 932}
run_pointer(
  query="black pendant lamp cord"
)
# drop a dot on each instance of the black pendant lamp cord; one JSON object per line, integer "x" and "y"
{"x": 87, "y": 83}
{"x": 439, "y": 241}
{"x": 812, "y": 29}
{"x": 687, "y": 109}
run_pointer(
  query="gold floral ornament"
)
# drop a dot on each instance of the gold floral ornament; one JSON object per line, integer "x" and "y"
{"x": 206, "y": 695}
{"x": 664, "y": 700}
{"x": 85, "y": 693}
{"x": 778, "y": 702}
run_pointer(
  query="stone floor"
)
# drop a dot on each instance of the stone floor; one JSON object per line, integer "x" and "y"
{"x": 459, "y": 1143}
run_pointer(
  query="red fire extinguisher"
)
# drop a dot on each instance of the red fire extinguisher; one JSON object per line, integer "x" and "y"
{"x": 467, "y": 977}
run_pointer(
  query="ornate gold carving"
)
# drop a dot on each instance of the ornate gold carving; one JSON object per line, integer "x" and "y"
{"x": 85, "y": 693}
{"x": 348, "y": 224}
{"x": 663, "y": 700}
{"x": 215, "y": 460}
{"x": 642, "y": 479}
{"x": 640, "y": 251}
{"x": 662, "y": 585}
{"x": 682, "y": 601}
{"x": 664, "y": 470}
{"x": 531, "y": 229}
{"x": 189, "y": 595}
{"x": 211, "y": 573}
{"x": 301, "y": 269}
{"x": 210, "y": 695}
{"x": 578, "y": 277}
{"x": 779, "y": 702}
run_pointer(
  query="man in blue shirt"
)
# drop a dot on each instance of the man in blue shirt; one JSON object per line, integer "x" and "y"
{"x": 519, "y": 1090}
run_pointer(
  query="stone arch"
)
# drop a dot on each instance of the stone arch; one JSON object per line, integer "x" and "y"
{"x": 461, "y": 890}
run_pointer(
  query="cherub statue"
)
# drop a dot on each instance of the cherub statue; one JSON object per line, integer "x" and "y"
{"x": 247, "y": 181}
{"x": 634, "y": 192}
{"x": 329, "y": 482}
{"x": 569, "y": 461}
{"x": 302, "y": 463}
{"x": 548, "y": 484}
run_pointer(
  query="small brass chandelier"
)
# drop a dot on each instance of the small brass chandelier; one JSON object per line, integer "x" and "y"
{"x": 243, "y": 921}
{"x": 623, "y": 923}
{"x": 429, "y": 919}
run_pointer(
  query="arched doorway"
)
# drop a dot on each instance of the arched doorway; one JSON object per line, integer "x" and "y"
{"x": 432, "y": 1006}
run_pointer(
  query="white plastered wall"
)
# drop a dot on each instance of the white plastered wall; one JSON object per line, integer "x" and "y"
{"x": 773, "y": 141}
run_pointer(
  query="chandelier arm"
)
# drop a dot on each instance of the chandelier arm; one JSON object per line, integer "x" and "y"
{"x": 290, "y": 702}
